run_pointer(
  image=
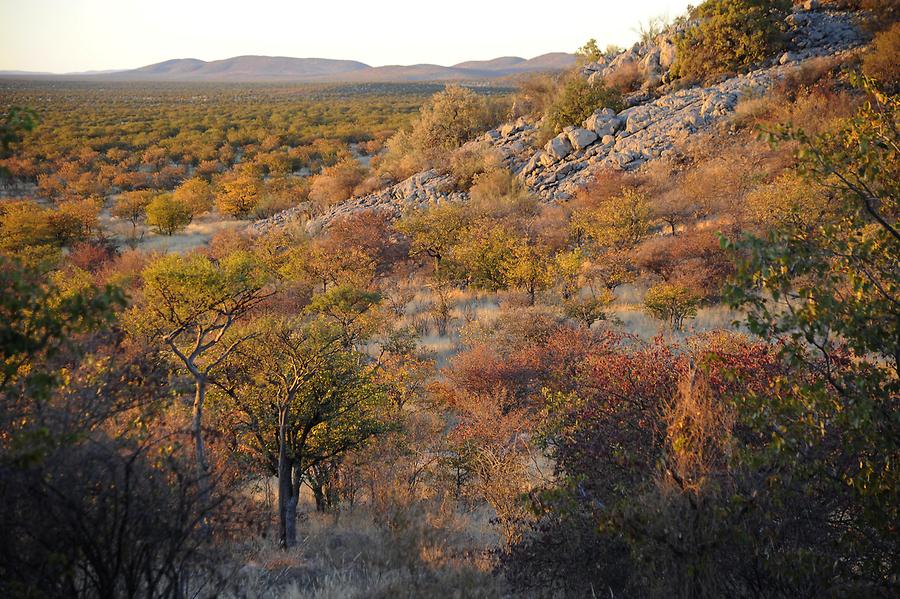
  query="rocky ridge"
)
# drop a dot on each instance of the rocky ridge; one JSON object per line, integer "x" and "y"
{"x": 651, "y": 127}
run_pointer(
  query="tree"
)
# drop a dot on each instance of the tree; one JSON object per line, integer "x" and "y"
{"x": 190, "y": 305}
{"x": 16, "y": 122}
{"x": 239, "y": 193}
{"x": 730, "y": 35}
{"x": 132, "y": 206}
{"x": 168, "y": 215}
{"x": 829, "y": 293}
{"x": 589, "y": 52}
{"x": 25, "y": 224}
{"x": 432, "y": 231}
{"x": 588, "y": 310}
{"x": 529, "y": 268}
{"x": 618, "y": 221}
{"x": 671, "y": 303}
{"x": 76, "y": 220}
{"x": 91, "y": 508}
{"x": 307, "y": 398}
{"x": 196, "y": 194}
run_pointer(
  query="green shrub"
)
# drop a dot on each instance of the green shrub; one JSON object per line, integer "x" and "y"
{"x": 168, "y": 215}
{"x": 673, "y": 304}
{"x": 577, "y": 100}
{"x": 729, "y": 36}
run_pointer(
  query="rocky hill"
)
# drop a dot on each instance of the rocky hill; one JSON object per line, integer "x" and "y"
{"x": 652, "y": 126}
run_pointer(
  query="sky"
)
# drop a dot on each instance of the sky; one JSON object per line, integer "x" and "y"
{"x": 63, "y": 36}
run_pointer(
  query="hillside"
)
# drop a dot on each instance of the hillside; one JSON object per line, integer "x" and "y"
{"x": 241, "y": 68}
{"x": 629, "y": 330}
{"x": 651, "y": 127}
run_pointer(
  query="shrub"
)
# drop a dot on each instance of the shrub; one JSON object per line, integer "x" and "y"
{"x": 196, "y": 194}
{"x": 536, "y": 94}
{"x": 499, "y": 193}
{"x": 625, "y": 79}
{"x": 577, "y": 100}
{"x": 238, "y": 193}
{"x": 467, "y": 163}
{"x": 882, "y": 63}
{"x": 336, "y": 183}
{"x": 730, "y": 35}
{"x": 671, "y": 303}
{"x": 449, "y": 119}
{"x": 168, "y": 215}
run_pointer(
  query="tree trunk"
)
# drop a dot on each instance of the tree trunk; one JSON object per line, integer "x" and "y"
{"x": 287, "y": 500}
{"x": 197, "y": 429}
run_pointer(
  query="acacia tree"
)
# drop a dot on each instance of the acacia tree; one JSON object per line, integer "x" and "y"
{"x": 530, "y": 268}
{"x": 132, "y": 206}
{"x": 191, "y": 305}
{"x": 301, "y": 398}
{"x": 671, "y": 303}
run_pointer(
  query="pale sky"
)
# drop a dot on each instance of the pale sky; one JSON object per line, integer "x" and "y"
{"x": 77, "y": 35}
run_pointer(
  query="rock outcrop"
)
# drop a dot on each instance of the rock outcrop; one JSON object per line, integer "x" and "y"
{"x": 651, "y": 127}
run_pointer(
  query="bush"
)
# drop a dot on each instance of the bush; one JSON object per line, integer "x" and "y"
{"x": 467, "y": 163}
{"x": 536, "y": 94}
{"x": 196, "y": 194}
{"x": 168, "y": 215}
{"x": 882, "y": 63}
{"x": 577, "y": 100}
{"x": 336, "y": 183}
{"x": 730, "y": 35}
{"x": 448, "y": 120}
{"x": 238, "y": 193}
{"x": 671, "y": 303}
{"x": 627, "y": 78}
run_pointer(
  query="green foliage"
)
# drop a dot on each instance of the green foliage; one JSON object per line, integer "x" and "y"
{"x": 15, "y": 123}
{"x": 432, "y": 231}
{"x": 577, "y": 100}
{"x": 182, "y": 292}
{"x": 671, "y": 303}
{"x": 589, "y": 52}
{"x": 729, "y": 36}
{"x": 37, "y": 319}
{"x": 828, "y": 292}
{"x": 168, "y": 215}
{"x": 588, "y": 310}
{"x": 618, "y": 221}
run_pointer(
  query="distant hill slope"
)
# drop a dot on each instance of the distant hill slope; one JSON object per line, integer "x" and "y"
{"x": 280, "y": 68}
{"x": 241, "y": 68}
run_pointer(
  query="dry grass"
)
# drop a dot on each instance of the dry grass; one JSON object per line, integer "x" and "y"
{"x": 426, "y": 549}
{"x": 197, "y": 234}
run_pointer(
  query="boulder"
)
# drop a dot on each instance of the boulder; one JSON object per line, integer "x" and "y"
{"x": 667, "y": 52}
{"x": 603, "y": 122}
{"x": 559, "y": 147}
{"x": 581, "y": 138}
{"x": 509, "y": 129}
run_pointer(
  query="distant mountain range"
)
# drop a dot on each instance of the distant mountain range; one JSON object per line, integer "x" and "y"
{"x": 281, "y": 68}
